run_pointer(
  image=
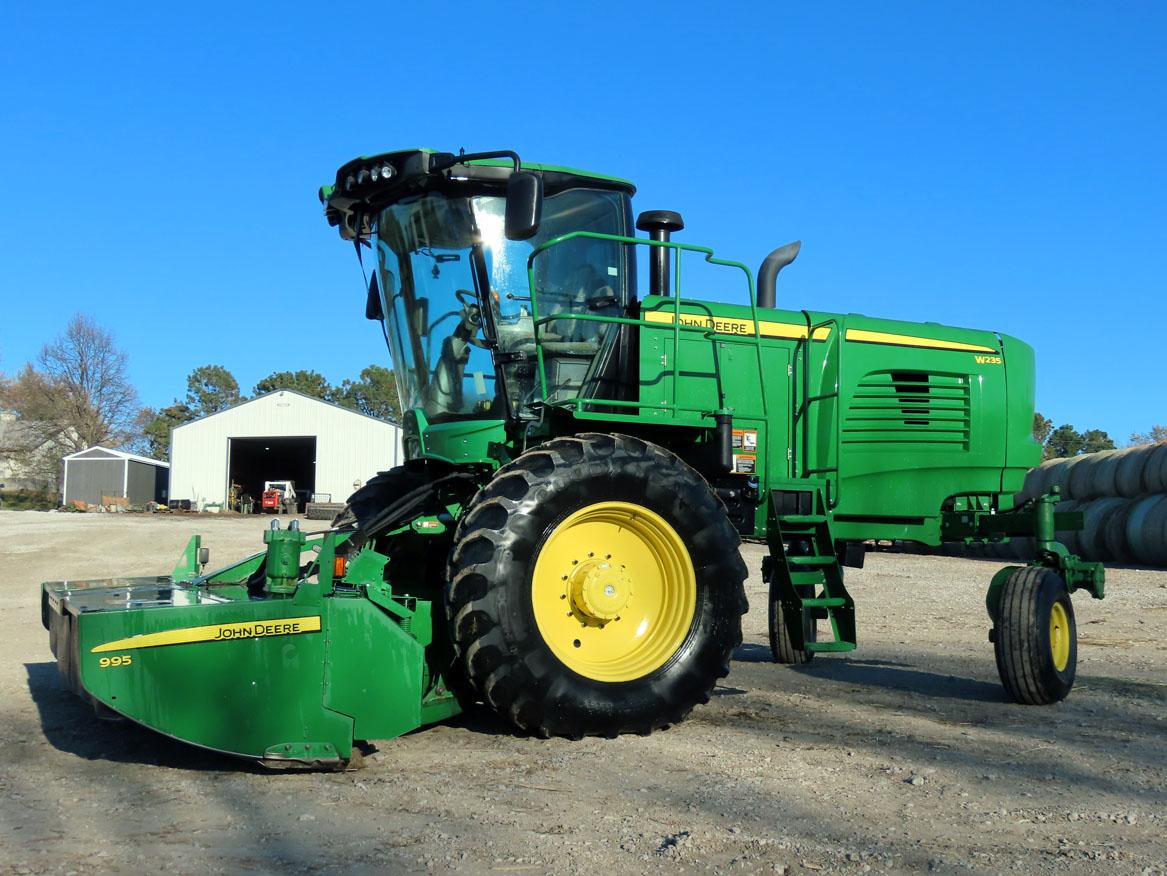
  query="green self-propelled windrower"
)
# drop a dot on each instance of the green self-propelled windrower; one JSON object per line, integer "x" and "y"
{"x": 584, "y": 459}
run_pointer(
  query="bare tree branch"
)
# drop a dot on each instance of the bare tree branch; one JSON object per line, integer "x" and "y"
{"x": 79, "y": 396}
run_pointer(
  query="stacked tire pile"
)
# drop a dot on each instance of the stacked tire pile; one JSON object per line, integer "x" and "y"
{"x": 1122, "y": 495}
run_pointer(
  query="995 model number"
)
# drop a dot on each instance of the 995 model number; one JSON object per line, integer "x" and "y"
{"x": 107, "y": 662}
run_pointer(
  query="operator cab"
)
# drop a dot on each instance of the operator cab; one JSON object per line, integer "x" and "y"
{"x": 454, "y": 289}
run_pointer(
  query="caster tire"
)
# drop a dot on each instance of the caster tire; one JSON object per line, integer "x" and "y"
{"x": 1036, "y": 638}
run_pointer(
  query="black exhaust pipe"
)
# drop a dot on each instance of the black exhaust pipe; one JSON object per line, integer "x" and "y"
{"x": 768, "y": 273}
{"x": 659, "y": 224}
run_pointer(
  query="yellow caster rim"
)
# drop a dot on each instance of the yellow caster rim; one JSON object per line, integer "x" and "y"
{"x": 614, "y": 591}
{"x": 1059, "y": 636}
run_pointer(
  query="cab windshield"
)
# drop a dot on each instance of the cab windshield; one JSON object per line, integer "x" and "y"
{"x": 456, "y": 300}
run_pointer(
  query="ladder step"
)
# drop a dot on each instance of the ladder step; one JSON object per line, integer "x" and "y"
{"x": 811, "y": 561}
{"x": 801, "y": 518}
{"x": 824, "y": 602}
{"x": 830, "y": 646}
{"x": 810, "y": 576}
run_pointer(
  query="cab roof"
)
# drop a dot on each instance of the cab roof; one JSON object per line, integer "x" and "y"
{"x": 366, "y": 184}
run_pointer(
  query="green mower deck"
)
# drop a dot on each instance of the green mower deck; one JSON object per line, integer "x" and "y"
{"x": 224, "y": 662}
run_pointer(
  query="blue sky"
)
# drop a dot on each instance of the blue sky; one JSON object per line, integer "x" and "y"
{"x": 997, "y": 165}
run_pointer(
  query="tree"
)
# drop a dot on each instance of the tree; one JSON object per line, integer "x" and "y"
{"x": 154, "y": 428}
{"x": 210, "y": 389}
{"x": 1094, "y": 440}
{"x": 310, "y": 383}
{"x": 375, "y": 394}
{"x": 80, "y": 394}
{"x": 1157, "y": 434}
{"x": 1041, "y": 427}
{"x": 1065, "y": 440}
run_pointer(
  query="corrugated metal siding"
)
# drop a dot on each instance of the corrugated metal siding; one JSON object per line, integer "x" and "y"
{"x": 140, "y": 488}
{"x": 349, "y": 447}
{"x": 90, "y": 479}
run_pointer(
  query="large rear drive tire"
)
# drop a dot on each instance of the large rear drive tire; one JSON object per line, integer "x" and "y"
{"x": 1036, "y": 639}
{"x": 595, "y": 588}
{"x": 378, "y": 493}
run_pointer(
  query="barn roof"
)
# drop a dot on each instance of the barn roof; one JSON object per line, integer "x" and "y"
{"x": 303, "y": 395}
{"x": 108, "y": 453}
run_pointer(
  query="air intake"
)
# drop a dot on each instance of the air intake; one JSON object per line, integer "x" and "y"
{"x": 909, "y": 410}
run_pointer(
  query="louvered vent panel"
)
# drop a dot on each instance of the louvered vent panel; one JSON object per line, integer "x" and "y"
{"x": 894, "y": 409}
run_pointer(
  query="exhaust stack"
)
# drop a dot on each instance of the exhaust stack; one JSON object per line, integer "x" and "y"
{"x": 768, "y": 273}
{"x": 659, "y": 224}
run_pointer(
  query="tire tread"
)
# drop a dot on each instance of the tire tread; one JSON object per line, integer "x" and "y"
{"x": 477, "y": 602}
{"x": 1022, "y": 651}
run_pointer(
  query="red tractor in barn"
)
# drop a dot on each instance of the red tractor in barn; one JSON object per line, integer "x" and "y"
{"x": 279, "y": 497}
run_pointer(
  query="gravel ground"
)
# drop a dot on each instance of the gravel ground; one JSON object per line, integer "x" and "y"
{"x": 900, "y": 757}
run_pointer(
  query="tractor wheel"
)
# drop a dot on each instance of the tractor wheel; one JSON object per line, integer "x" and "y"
{"x": 378, "y": 493}
{"x": 781, "y": 645}
{"x": 1035, "y": 638}
{"x": 595, "y": 588}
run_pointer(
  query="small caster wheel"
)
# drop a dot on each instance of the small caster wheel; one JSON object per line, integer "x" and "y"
{"x": 1035, "y": 638}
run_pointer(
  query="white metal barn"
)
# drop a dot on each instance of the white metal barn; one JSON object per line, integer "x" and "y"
{"x": 284, "y": 435}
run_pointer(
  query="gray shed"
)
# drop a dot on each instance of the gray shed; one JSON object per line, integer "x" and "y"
{"x": 95, "y": 472}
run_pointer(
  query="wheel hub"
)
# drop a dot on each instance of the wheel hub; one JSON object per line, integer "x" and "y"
{"x": 1059, "y": 637}
{"x": 582, "y": 591}
{"x": 600, "y": 589}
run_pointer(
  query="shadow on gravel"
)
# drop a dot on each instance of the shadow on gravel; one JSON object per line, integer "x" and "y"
{"x": 477, "y": 719}
{"x": 881, "y": 674}
{"x": 1106, "y": 738}
{"x": 902, "y": 677}
{"x": 71, "y": 725}
{"x": 1139, "y": 690}
{"x": 751, "y": 653}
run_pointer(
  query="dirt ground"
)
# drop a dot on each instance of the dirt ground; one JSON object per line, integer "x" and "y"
{"x": 900, "y": 757}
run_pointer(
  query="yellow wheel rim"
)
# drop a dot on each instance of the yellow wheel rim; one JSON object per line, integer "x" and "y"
{"x": 614, "y": 591}
{"x": 1059, "y": 636}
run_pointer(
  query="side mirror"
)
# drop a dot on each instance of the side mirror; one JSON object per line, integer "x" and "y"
{"x": 524, "y": 205}
{"x": 373, "y": 302}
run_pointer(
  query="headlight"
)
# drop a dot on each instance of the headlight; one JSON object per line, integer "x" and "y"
{"x": 362, "y": 176}
{"x": 381, "y": 172}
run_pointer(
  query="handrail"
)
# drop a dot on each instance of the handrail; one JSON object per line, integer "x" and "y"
{"x": 807, "y": 399}
{"x": 678, "y": 248}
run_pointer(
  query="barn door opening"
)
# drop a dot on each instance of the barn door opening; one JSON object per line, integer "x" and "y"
{"x": 251, "y": 462}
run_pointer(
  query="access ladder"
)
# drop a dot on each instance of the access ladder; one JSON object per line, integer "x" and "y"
{"x": 803, "y": 569}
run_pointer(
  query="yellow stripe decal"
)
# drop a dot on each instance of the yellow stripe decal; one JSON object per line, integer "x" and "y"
{"x": 736, "y": 326}
{"x": 287, "y": 626}
{"x": 732, "y": 325}
{"x": 866, "y": 337}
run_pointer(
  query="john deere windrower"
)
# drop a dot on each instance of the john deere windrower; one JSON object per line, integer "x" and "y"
{"x": 584, "y": 459}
